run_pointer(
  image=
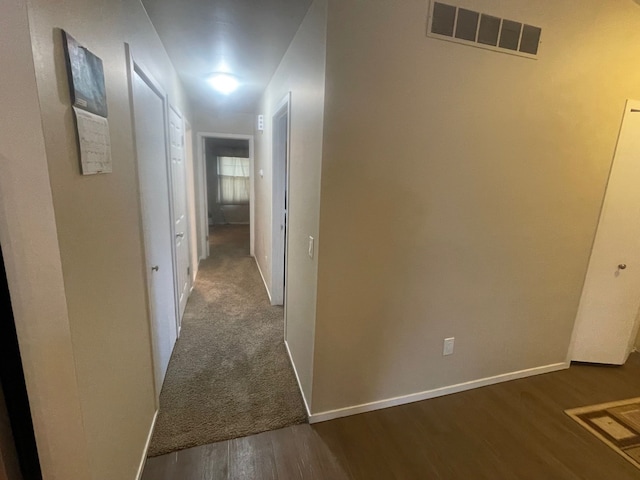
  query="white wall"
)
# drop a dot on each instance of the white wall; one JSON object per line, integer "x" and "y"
{"x": 301, "y": 72}
{"x": 460, "y": 192}
{"x": 205, "y": 121}
{"x": 91, "y": 372}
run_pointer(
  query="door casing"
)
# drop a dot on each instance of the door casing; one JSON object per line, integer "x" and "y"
{"x": 202, "y": 198}
{"x": 179, "y": 211}
{"x": 280, "y": 188}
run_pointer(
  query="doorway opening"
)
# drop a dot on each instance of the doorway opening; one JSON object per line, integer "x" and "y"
{"x": 229, "y": 186}
{"x": 226, "y": 193}
{"x": 18, "y": 451}
{"x": 607, "y": 320}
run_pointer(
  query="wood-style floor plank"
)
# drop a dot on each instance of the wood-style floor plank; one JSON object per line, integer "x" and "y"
{"x": 514, "y": 430}
{"x": 252, "y": 458}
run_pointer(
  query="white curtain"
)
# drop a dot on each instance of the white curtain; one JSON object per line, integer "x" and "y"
{"x": 233, "y": 180}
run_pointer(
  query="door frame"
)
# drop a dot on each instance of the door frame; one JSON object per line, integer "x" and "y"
{"x": 191, "y": 201}
{"x": 203, "y": 197}
{"x": 280, "y": 184}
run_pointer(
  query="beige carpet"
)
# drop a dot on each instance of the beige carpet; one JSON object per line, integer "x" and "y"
{"x": 229, "y": 375}
{"x": 617, "y": 424}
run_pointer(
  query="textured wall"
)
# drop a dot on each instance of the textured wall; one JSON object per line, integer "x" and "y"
{"x": 98, "y": 225}
{"x": 461, "y": 190}
{"x": 32, "y": 259}
{"x": 301, "y": 72}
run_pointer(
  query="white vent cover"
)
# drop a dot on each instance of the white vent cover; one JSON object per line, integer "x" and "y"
{"x": 456, "y": 24}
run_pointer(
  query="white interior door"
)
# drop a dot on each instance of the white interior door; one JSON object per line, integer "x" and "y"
{"x": 180, "y": 218}
{"x": 280, "y": 200}
{"x": 606, "y": 322}
{"x": 149, "y": 123}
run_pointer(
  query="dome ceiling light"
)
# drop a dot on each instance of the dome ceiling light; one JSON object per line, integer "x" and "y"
{"x": 223, "y": 83}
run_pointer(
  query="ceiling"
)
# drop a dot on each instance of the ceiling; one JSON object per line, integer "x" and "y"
{"x": 246, "y": 38}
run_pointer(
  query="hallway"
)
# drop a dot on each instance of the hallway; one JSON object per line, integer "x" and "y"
{"x": 229, "y": 374}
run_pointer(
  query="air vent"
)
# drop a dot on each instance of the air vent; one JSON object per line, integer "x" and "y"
{"x": 461, "y": 25}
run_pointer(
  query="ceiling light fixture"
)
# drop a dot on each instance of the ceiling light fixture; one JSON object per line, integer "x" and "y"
{"x": 223, "y": 83}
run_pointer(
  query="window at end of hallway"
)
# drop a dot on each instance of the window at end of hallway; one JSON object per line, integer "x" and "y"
{"x": 233, "y": 181}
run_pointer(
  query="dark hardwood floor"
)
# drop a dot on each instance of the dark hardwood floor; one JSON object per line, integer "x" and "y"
{"x": 514, "y": 430}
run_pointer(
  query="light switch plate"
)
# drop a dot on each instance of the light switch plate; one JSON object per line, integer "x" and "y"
{"x": 311, "y": 246}
{"x": 448, "y": 346}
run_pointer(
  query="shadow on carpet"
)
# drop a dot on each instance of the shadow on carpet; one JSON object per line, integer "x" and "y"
{"x": 229, "y": 375}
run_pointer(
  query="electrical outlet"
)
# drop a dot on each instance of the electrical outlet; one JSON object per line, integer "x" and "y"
{"x": 448, "y": 346}
{"x": 311, "y": 242}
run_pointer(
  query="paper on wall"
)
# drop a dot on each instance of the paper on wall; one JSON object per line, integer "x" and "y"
{"x": 95, "y": 144}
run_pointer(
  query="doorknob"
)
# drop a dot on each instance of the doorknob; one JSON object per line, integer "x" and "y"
{"x": 155, "y": 268}
{"x": 622, "y": 266}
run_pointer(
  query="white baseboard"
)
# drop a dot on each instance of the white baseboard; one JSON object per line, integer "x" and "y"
{"x": 437, "y": 392}
{"x": 143, "y": 460}
{"x": 263, "y": 280}
{"x": 295, "y": 370}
